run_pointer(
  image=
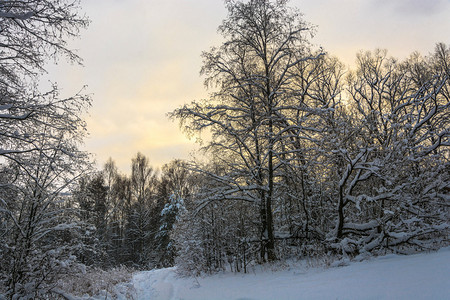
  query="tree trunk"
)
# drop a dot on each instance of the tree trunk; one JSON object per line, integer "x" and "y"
{"x": 270, "y": 234}
{"x": 340, "y": 213}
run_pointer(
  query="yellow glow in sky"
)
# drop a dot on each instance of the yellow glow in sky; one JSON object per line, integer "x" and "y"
{"x": 142, "y": 60}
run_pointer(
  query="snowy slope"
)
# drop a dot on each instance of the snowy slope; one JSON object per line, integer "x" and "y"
{"x": 421, "y": 276}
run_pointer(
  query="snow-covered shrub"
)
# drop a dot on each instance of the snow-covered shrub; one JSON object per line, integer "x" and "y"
{"x": 40, "y": 237}
{"x": 95, "y": 281}
{"x": 218, "y": 237}
{"x": 189, "y": 241}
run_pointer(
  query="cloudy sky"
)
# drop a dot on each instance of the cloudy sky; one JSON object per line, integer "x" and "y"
{"x": 142, "y": 60}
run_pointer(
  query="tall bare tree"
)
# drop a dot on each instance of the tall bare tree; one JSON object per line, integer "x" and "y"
{"x": 253, "y": 73}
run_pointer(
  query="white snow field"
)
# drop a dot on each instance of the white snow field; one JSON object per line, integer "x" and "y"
{"x": 420, "y": 276}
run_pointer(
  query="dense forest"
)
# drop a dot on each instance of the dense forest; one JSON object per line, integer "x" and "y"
{"x": 306, "y": 158}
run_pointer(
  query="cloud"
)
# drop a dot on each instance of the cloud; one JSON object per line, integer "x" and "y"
{"x": 414, "y": 7}
{"x": 142, "y": 60}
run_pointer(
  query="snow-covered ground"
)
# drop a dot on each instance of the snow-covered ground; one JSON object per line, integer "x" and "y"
{"x": 421, "y": 276}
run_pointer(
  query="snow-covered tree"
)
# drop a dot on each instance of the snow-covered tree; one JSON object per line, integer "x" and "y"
{"x": 40, "y": 229}
{"x": 253, "y": 72}
{"x": 166, "y": 251}
{"x": 39, "y": 138}
{"x": 393, "y": 180}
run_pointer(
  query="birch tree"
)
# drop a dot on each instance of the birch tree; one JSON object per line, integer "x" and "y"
{"x": 252, "y": 73}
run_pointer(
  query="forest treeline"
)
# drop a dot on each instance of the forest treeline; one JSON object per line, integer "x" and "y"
{"x": 307, "y": 158}
{"x": 129, "y": 219}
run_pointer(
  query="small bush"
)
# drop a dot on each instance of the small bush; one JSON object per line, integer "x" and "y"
{"x": 97, "y": 282}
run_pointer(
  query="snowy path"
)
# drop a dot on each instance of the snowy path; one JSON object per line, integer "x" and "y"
{"x": 154, "y": 284}
{"x": 422, "y": 276}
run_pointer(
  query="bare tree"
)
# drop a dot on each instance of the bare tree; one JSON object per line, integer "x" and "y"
{"x": 253, "y": 72}
{"x": 39, "y": 138}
